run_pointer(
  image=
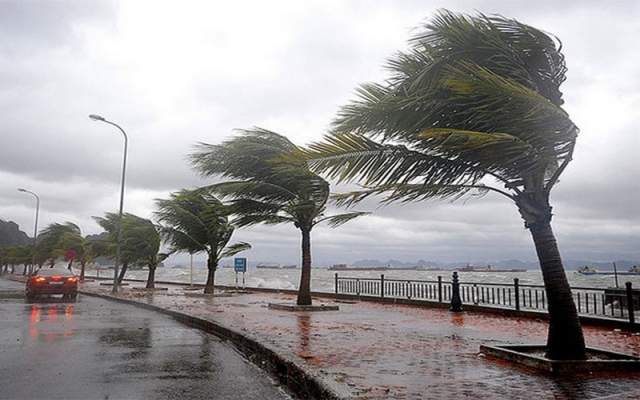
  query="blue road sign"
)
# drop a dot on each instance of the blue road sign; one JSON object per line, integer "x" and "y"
{"x": 240, "y": 264}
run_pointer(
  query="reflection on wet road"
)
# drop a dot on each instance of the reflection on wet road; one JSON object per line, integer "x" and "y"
{"x": 94, "y": 349}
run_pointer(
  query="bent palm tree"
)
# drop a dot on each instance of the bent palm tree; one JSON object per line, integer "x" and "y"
{"x": 271, "y": 186}
{"x": 51, "y": 241}
{"x": 195, "y": 221}
{"x": 474, "y": 103}
{"x": 130, "y": 250}
{"x": 80, "y": 247}
{"x": 142, "y": 240}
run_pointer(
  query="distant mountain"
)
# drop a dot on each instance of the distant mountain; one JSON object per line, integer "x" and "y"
{"x": 11, "y": 235}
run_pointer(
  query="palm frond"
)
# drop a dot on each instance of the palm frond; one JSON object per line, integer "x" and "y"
{"x": 405, "y": 193}
{"x": 336, "y": 220}
{"x": 234, "y": 249}
{"x": 244, "y": 220}
{"x": 464, "y": 85}
{"x": 347, "y": 157}
{"x": 266, "y": 174}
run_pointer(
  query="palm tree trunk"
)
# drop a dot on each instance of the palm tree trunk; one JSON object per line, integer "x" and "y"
{"x": 304, "y": 292}
{"x": 82, "y": 267}
{"x": 123, "y": 271}
{"x": 151, "y": 278}
{"x": 211, "y": 274}
{"x": 565, "y": 340}
{"x": 24, "y": 270}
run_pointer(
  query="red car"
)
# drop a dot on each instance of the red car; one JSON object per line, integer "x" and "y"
{"x": 47, "y": 281}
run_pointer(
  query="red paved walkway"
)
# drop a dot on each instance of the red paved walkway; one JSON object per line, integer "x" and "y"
{"x": 375, "y": 351}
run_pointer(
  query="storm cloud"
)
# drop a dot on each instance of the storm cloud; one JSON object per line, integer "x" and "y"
{"x": 177, "y": 73}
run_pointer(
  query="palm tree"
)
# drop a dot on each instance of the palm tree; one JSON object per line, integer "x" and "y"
{"x": 4, "y": 259}
{"x": 140, "y": 243}
{"x": 195, "y": 221}
{"x": 9, "y": 256}
{"x": 50, "y": 242}
{"x": 142, "y": 240}
{"x": 84, "y": 250}
{"x": 270, "y": 185}
{"x": 473, "y": 107}
{"x": 128, "y": 254}
{"x": 23, "y": 256}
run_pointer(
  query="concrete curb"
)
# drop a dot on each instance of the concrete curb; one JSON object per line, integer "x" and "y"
{"x": 302, "y": 382}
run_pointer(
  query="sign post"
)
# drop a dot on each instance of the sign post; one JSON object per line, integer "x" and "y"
{"x": 240, "y": 265}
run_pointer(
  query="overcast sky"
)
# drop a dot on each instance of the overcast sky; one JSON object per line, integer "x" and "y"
{"x": 176, "y": 73}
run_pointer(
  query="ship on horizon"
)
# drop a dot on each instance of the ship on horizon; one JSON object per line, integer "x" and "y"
{"x": 345, "y": 267}
{"x": 268, "y": 266}
{"x": 488, "y": 268}
{"x": 586, "y": 270}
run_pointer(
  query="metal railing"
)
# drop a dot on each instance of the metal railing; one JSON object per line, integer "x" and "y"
{"x": 619, "y": 303}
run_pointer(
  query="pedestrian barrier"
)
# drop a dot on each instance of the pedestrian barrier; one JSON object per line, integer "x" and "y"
{"x": 618, "y": 303}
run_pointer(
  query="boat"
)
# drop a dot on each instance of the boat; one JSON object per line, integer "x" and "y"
{"x": 586, "y": 270}
{"x": 289, "y": 266}
{"x": 345, "y": 267}
{"x": 488, "y": 268}
{"x": 268, "y": 266}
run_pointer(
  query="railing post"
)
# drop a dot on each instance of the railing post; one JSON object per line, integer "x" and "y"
{"x": 474, "y": 294}
{"x": 632, "y": 317}
{"x": 516, "y": 287}
{"x": 382, "y": 286}
{"x": 336, "y": 282}
{"x": 358, "y": 287}
{"x": 439, "y": 289}
{"x": 456, "y": 302}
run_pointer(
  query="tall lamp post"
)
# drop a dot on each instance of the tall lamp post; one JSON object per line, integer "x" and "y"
{"x": 35, "y": 228}
{"x": 124, "y": 168}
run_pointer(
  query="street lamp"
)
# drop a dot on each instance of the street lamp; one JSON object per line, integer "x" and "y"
{"x": 95, "y": 117}
{"x": 35, "y": 228}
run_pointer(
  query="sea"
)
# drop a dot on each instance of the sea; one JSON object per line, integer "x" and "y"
{"x": 322, "y": 279}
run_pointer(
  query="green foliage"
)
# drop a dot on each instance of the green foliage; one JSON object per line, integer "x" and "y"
{"x": 15, "y": 255}
{"x": 52, "y": 241}
{"x": 475, "y": 97}
{"x": 195, "y": 221}
{"x": 140, "y": 239}
{"x": 270, "y": 184}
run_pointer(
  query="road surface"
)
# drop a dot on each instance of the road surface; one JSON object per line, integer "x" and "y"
{"x": 97, "y": 349}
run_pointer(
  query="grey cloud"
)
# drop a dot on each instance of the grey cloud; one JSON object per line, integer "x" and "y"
{"x": 289, "y": 70}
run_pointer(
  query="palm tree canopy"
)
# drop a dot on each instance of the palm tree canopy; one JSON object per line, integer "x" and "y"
{"x": 51, "y": 241}
{"x": 269, "y": 183}
{"x": 474, "y": 97}
{"x": 195, "y": 221}
{"x": 140, "y": 238}
{"x": 17, "y": 254}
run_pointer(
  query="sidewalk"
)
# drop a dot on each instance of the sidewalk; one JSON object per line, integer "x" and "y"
{"x": 378, "y": 351}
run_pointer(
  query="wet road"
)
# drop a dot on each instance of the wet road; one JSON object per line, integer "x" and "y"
{"x": 96, "y": 349}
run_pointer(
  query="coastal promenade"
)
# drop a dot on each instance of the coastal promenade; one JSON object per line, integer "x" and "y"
{"x": 370, "y": 350}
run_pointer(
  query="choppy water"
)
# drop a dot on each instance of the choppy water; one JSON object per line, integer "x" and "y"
{"x": 323, "y": 279}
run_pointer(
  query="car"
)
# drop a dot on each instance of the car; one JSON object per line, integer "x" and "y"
{"x": 48, "y": 281}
